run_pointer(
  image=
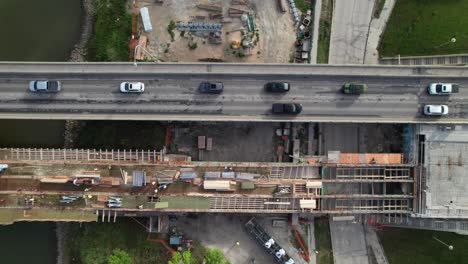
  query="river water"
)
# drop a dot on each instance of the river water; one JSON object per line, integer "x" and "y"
{"x": 28, "y": 242}
{"x": 38, "y": 30}
{"x": 34, "y": 30}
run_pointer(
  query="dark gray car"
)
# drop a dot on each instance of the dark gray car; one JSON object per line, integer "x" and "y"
{"x": 286, "y": 108}
{"x": 277, "y": 87}
{"x": 211, "y": 87}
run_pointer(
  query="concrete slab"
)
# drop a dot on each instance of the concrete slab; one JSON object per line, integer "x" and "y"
{"x": 350, "y": 27}
{"x": 446, "y": 163}
{"x": 349, "y": 244}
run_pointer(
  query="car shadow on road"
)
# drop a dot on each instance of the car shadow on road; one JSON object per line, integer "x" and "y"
{"x": 345, "y": 101}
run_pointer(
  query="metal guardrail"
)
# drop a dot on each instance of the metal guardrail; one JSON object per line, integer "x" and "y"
{"x": 456, "y": 59}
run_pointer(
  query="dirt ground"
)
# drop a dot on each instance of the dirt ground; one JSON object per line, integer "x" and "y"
{"x": 361, "y": 138}
{"x": 276, "y": 32}
{"x": 249, "y": 142}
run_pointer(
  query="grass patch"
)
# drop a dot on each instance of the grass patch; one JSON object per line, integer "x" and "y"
{"x": 8, "y": 216}
{"x": 187, "y": 202}
{"x": 379, "y": 4}
{"x": 405, "y": 246}
{"x": 303, "y": 5}
{"x": 112, "y": 29}
{"x": 94, "y": 242}
{"x": 323, "y": 47}
{"x": 121, "y": 135}
{"x": 323, "y": 241}
{"x": 423, "y": 27}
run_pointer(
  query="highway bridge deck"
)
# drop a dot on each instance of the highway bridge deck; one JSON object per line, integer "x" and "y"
{"x": 396, "y": 94}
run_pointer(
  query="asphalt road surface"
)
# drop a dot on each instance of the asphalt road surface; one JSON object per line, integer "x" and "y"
{"x": 176, "y": 97}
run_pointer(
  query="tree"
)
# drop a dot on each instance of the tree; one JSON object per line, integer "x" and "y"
{"x": 214, "y": 256}
{"x": 119, "y": 257}
{"x": 185, "y": 258}
{"x": 176, "y": 258}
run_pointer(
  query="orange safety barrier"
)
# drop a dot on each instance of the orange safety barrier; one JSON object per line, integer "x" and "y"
{"x": 299, "y": 240}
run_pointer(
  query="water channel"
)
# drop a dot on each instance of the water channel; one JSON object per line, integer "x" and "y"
{"x": 34, "y": 30}
{"x": 44, "y": 30}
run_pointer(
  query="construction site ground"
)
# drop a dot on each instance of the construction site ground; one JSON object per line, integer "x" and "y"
{"x": 361, "y": 138}
{"x": 276, "y": 32}
{"x": 22, "y": 182}
{"x": 249, "y": 142}
{"x": 223, "y": 231}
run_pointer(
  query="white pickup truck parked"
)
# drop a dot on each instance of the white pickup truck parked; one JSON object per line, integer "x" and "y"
{"x": 442, "y": 88}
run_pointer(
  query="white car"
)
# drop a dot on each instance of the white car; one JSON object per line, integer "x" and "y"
{"x": 132, "y": 87}
{"x": 443, "y": 88}
{"x": 436, "y": 110}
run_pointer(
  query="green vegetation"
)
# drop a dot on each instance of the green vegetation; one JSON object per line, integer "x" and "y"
{"x": 8, "y": 216}
{"x": 323, "y": 47}
{"x": 425, "y": 27}
{"x": 177, "y": 258}
{"x": 379, "y": 4}
{"x": 193, "y": 45}
{"x": 323, "y": 241}
{"x": 214, "y": 256}
{"x": 119, "y": 257}
{"x": 170, "y": 29}
{"x": 121, "y": 135}
{"x": 187, "y": 202}
{"x": 303, "y": 5}
{"x": 93, "y": 243}
{"x": 410, "y": 246}
{"x": 112, "y": 29}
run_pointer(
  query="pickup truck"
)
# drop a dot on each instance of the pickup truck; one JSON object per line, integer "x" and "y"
{"x": 45, "y": 86}
{"x": 442, "y": 88}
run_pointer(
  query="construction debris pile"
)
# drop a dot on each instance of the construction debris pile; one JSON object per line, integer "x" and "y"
{"x": 304, "y": 39}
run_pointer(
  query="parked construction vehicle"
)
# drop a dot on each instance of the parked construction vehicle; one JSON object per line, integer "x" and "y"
{"x": 268, "y": 242}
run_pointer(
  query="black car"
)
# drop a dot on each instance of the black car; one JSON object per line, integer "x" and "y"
{"x": 286, "y": 108}
{"x": 211, "y": 87}
{"x": 277, "y": 87}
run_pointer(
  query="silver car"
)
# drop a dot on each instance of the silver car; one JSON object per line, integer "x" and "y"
{"x": 45, "y": 86}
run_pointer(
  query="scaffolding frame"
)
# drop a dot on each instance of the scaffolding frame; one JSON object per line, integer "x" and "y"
{"x": 80, "y": 155}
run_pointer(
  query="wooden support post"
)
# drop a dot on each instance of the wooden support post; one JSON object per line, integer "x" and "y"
{"x": 64, "y": 154}
{"x": 29, "y": 154}
{"x": 125, "y": 156}
{"x": 76, "y": 154}
{"x": 40, "y": 151}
